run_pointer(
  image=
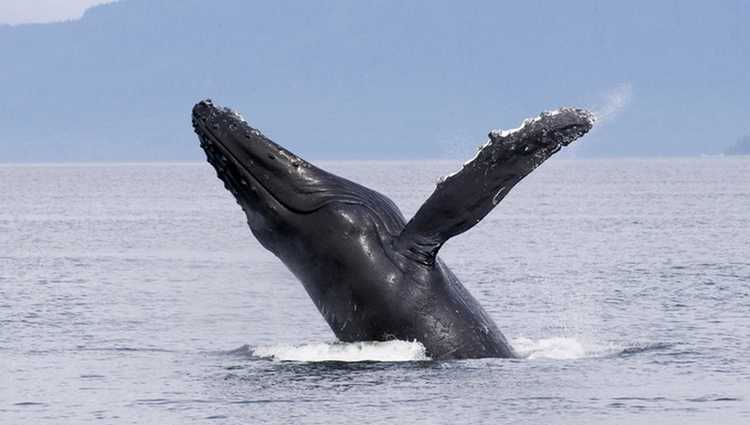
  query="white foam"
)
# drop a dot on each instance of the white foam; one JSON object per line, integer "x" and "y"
{"x": 388, "y": 351}
{"x": 553, "y": 348}
{"x": 476, "y": 155}
{"x": 559, "y": 348}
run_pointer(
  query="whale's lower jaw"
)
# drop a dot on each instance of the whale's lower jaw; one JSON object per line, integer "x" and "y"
{"x": 238, "y": 179}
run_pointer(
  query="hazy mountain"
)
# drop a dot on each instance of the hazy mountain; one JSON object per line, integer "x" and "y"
{"x": 384, "y": 79}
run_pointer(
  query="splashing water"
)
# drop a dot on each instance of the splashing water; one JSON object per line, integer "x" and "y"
{"x": 388, "y": 351}
{"x": 560, "y": 348}
{"x": 614, "y": 102}
{"x": 552, "y": 348}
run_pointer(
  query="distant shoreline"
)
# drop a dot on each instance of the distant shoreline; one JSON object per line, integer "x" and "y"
{"x": 742, "y": 147}
{"x": 125, "y": 163}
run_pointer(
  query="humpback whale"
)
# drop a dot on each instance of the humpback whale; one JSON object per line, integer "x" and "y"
{"x": 371, "y": 274}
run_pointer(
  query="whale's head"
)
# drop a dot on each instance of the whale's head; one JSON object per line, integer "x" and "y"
{"x": 278, "y": 190}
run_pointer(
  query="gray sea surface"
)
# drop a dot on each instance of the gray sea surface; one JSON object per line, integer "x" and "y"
{"x": 135, "y": 293}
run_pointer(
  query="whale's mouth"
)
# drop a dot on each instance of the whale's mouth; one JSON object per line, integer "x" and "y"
{"x": 237, "y": 176}
{"x": 252, "y": 166}
{"x": 261, "y": 174}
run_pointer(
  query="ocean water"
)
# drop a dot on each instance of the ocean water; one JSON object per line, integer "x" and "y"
{"x": 135, "y": 293}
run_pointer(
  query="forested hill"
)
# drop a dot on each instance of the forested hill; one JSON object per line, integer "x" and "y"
{"x": 386, "y": 79}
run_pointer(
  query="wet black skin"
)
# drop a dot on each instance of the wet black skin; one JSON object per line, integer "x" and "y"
{"x": 372, "y": 275}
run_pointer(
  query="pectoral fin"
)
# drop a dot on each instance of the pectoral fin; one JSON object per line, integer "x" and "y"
{"x": 463, "y": 198}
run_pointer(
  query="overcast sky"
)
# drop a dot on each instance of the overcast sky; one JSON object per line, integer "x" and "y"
{"x": 37, "y": 11}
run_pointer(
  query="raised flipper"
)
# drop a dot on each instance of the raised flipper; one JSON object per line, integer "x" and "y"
{"x": 463, "y": 198}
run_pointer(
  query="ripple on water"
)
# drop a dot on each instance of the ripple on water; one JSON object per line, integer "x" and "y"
{"x": 627, "y": 283}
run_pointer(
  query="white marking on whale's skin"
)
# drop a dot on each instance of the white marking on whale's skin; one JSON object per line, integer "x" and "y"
{"x": 505, "y": 133}
{"x": 236, "y": 114}
{"x": 479, "y": 150}
{"x": 498, "y": 195}
{"x": 527, "y": 121}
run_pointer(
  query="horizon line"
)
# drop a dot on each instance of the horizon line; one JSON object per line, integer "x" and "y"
{"x": 355, "y": 160}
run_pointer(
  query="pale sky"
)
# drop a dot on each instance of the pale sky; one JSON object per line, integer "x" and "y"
{"x": 37, "y": 11}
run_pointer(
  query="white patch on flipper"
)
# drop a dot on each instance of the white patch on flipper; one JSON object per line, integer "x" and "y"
{"x": 236, "y": 114}
{"x": 467, "y": 162}
{"x": 526, "y": 122}
{"x": 498, "y": 196}
{"x": 503, "y": 134}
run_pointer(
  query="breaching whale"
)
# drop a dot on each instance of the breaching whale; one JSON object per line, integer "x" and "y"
{"x": 371, "y": 274}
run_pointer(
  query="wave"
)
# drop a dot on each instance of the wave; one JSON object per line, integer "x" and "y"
{"x": 557, "y": 348}
{"x": 570, "y": 348}
{"x": 566, "y": 348}
{"x": 371, "y": 351}
{"x": 553, "y": 348}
